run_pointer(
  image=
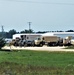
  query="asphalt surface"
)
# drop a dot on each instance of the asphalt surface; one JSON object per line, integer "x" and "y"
{"x": 44, "y": 48}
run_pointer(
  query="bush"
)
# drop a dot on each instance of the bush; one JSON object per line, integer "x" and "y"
{"x": 2, "y": 42}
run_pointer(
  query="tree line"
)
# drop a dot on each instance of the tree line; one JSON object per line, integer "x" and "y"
{"x": 13, "y": 31}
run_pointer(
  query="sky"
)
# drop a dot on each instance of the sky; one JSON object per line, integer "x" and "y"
{"x": 44, "y": 15}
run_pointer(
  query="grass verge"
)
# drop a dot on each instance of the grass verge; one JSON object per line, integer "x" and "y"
{"x": 36, "y": 63}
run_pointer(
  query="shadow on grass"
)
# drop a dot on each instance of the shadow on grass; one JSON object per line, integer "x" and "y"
{"x": 10, "y": 68}
{"x": 5, "y": 50}
{"x": 70, "y": 47}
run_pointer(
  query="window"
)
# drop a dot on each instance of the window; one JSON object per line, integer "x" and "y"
{"x": 43, "y": 38}
{"x": 27, "y": 37}
{"x": 38, "y": 38}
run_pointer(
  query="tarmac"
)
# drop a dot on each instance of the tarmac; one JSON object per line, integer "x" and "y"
{"x": 44, "y": 48}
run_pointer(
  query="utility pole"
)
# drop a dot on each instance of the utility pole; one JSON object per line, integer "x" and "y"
{"x": 29, "y": 26}
{"x": 2, "y": 28}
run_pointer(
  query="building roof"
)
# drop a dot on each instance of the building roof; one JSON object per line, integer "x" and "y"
{"x": 60, "y": 33}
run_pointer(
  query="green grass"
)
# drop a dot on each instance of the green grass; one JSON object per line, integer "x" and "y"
{"x": 36, "y": 63}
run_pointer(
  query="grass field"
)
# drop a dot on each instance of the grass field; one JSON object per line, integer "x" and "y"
{"x": 36, "y": 63}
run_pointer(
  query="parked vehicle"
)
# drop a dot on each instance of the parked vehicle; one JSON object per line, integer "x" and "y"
{"x": 24, "y": 39}
{"x": 48, "y": 40}
{"x": 72, "y": 41}
{"x": 53, "y": 41}
{"x": 40, "y": 40}
{"x": 67, "y": 41}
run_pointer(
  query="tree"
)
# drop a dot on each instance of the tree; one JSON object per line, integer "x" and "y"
{"x": 27, "y": 31}
{"x": 41, "y": 32}
{"x": 2, "y": 42}
{"x": 70, "y": 31}
{"x": 11, "y": 32}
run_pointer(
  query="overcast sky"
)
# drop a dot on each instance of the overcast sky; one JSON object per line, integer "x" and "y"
{"x": 45, "y": 15}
